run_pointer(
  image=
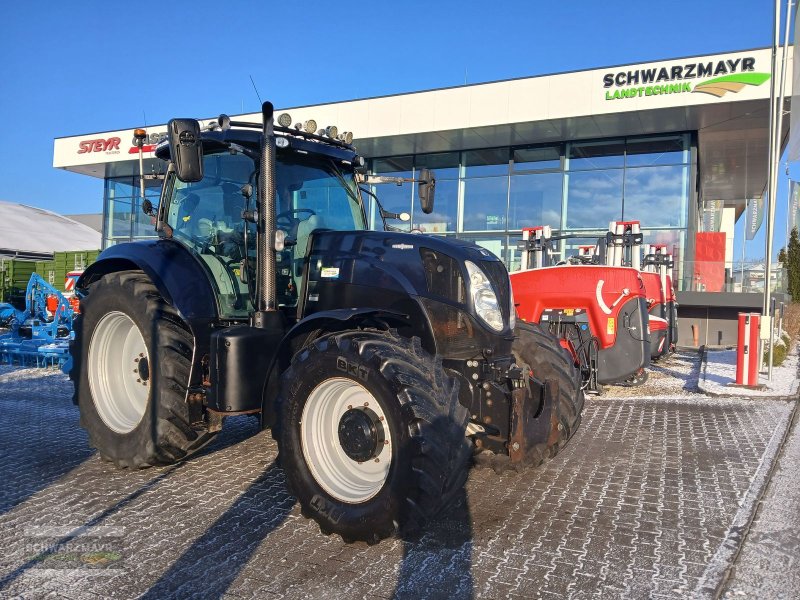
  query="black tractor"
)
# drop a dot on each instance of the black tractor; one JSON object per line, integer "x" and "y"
{"x": 383, "y": 361}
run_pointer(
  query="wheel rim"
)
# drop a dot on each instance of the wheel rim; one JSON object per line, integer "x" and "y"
{"x": 119, "y": 372}
{"x": 328, "y": 417}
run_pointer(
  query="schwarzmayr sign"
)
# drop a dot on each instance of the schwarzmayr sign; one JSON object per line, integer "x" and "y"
{"x": 728, "y": 75}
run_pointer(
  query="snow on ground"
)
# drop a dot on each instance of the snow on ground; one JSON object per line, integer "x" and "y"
{"x": 674, "y": 376}
{"x": 719, "y": 374}
{"x": 15, "y": 373}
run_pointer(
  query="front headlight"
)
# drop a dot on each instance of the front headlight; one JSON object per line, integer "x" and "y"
{"x": 483, "y": 297}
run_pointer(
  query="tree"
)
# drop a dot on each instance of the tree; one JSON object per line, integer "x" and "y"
{"x": 792, "y": 265}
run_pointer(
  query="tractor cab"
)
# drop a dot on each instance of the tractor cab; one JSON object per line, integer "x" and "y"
{"x": 215, "y": 217}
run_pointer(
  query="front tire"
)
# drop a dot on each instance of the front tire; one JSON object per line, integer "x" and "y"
{"x": 541, "y": 350}
{"x": 371, "y": 434}
{"x": 132, "y": 357}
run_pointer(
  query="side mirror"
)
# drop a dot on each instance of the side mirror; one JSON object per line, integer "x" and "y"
{"x": 147, "y": 208}
{"x": 427, "y": 187}
{"x": 186, "y": 149}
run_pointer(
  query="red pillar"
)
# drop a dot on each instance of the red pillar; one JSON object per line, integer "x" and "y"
{"x": 742, "y": 348}
{"x": 747, "y": 358}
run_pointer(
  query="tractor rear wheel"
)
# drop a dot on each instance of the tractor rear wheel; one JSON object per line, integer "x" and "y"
{"x": 131, "y": 361}
{"x": 535, "y": 346}
{"x": 371, "y": 434}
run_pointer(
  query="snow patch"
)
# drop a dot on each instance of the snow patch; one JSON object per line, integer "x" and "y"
{"x": 719, "y": 374}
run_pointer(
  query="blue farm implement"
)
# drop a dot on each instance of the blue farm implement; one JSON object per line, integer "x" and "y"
{"x": 39, "y": 335}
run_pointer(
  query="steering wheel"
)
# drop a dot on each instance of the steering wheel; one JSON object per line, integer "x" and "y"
{"x": 290, "y": 219}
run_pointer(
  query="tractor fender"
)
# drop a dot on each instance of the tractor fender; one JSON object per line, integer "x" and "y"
{"x": 179, "y": 277}
{"x": 325, "y": 321}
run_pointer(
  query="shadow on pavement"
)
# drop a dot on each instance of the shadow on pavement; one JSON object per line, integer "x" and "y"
{"x": 41, "y": 438}
{"x": 214, "y": 560}
{"x": 82, "y": 529}
{"x": 437, "y": 563}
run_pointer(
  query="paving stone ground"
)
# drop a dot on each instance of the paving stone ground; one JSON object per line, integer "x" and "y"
{"x": 642, "y": 504}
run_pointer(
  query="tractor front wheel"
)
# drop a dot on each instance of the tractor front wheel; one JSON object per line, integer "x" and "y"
{"x": 371, "y": 434}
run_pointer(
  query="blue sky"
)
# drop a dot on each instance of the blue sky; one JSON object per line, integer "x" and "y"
{"x": 80, "y": 67}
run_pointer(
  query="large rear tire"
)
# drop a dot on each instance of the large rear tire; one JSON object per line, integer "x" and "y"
{"x": 541, "y": 351}
{"x": 131, "y": 360}
{"x": 371, "y": 434}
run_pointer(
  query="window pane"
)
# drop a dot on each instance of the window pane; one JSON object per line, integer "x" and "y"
{"x": 664, "y": 151}
{"x": 529, "y": 159}
{"x": 152, "y": 189}
{"x": 573, "y": 245}
{"x": 674, "y": 240}
{"x": 656, "y": 196}
{"x": 484, "y": 203}
{"x": 394, "y": 198}
{"x": 445, "y": 164}
{"x": 596, "y": 155}
{"x": 120, "y": 218}
{"x": 443, "y": 217}
{"x": 514, "y": 260}
{"x": 120, "y": 188}
{"x": 496, "y": 244}
{"x": 143, "y": 225}
{"x": 397, "y": 166}
{"x": 535, "y": 200}
{"x": 479, "y": 163}
{"x": 671, "y": 238}
{"x": 594, "y": 198}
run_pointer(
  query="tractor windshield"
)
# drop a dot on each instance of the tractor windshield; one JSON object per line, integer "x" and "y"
{"x": 315, "y": 189}
{"x": 312, "y": 193}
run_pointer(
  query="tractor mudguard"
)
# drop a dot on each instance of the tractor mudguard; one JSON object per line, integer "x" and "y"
{"x": 296, "y": 337}
{"x": 180, "y": 279}
{"x": 323, "y": 319}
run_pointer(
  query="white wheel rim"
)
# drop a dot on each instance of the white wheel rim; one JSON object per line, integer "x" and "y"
{"x": 339, "y": 475}
{"x": 119, "y": 377}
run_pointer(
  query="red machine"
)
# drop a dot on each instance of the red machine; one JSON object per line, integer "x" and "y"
{"x": 599, "y": 312}
{"x": 659, "y": 326}
{"x": 661, "y": 302}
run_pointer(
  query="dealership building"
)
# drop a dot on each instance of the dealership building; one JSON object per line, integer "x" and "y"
{"x": 679, "y": 145}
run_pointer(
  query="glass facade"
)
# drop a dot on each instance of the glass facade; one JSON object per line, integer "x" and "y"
{"x": 489, "y": 195}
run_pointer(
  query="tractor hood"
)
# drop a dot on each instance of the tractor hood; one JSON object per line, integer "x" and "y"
{"x": 422, "y": 276}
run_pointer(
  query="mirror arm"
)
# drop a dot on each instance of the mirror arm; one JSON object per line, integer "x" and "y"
{"x": 378, "y": 179}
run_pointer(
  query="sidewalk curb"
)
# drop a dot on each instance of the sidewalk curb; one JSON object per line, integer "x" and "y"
{"x": 719, "y": 568}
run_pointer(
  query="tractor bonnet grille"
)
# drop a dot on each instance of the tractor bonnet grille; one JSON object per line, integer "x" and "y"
{"x": 443, "y": 276}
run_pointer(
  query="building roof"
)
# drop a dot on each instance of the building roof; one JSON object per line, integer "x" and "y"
{"x": 30, "y": 229}
{"x": 93, "y": 220}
